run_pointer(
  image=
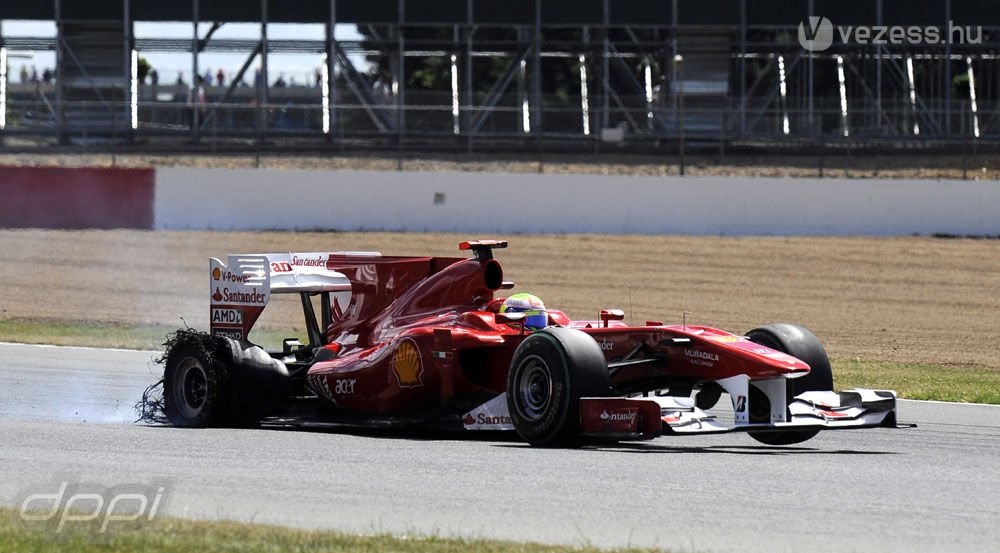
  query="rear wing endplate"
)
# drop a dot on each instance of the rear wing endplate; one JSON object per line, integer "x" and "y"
{"x": 241, "y": 288}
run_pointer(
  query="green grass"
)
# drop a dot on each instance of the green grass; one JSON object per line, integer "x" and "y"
{"x": 174, "y": 535}
{"x": 916, "y": 381}
{"x": 913, "y": 381}
{"x": 99, "y": 335}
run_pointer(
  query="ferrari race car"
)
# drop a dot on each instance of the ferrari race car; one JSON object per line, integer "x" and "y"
{"x": 423, "y": 341}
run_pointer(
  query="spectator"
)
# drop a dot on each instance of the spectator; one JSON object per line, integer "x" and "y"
{"x": 207, "y": 79}
{"x": 220, "y": 77}
{"x": 382, "y": 88}
{"x": 319, "y": 77}
{"x": 154, "y": 77}
{"x": 34, "y": 74}
{"x": 180, "y": 88}
{"x": 24, "y": 73}
{"x": 47, "y": 76}
{"x": 280, "y": 83}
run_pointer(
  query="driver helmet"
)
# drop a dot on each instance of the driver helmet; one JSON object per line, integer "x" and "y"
{"x": 535, "y": 316}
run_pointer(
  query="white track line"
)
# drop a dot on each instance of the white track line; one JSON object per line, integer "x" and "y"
{"x": 78, "y": 347}
{"x": 949, "y": 402}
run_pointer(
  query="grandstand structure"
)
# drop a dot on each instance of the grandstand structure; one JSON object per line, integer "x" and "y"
{"x": 495, "y": 72}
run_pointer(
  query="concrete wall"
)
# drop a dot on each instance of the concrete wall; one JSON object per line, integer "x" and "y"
{"x": 530, "y": 203}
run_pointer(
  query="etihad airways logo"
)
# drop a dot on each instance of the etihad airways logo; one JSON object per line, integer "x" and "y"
{"x": 819, "y": 33}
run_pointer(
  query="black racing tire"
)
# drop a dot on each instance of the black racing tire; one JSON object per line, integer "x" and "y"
{"x": 549, "y": 373}
{"x": 195, "y": 388}
{"x": 802, "y": 344}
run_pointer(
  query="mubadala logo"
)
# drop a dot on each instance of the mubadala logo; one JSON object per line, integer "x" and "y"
{"x": 819, "y": 33}
{"x": 698, "y": 354}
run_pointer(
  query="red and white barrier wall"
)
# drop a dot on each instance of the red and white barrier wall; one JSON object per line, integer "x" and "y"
{"x": 64, "y": 198}
{"x": 220, "y": 199}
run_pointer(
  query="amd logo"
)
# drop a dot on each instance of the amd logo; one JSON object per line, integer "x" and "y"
{"x": 227, "y": 316}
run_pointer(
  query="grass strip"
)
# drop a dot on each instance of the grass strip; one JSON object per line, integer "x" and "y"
{"x": 910, "y": 380}
{"x": 920, "y": 381}
{"x": 175, "y": 535}
{"x": 106, "y": 335}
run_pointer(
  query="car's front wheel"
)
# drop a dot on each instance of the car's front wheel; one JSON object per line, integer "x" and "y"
{"x": 549, "y": 373}
{"x": 802, "y": 344}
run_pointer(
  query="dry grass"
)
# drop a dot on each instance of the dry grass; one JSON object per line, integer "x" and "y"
{"x": 905, "y": 300}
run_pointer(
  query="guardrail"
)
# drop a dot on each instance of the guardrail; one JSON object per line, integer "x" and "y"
{"x": 31, "y": 110}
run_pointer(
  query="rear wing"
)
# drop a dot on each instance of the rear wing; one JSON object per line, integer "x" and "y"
{"x": 242, "y": 287}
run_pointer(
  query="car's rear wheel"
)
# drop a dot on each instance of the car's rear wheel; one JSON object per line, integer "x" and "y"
{"x": 194, "y": 388}
{"x": 802, "y": 344}
{"x": 549, "y": 373}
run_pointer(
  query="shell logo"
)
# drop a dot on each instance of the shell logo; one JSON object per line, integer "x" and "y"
{"x": 407, "y": 365}
{"x": 216, "y": 274}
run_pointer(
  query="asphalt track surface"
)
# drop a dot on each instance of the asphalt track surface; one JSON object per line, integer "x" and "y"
{"x": 68, "y": 411}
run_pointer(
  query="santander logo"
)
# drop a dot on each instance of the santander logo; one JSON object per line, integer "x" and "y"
{"x": 626, "y": 416}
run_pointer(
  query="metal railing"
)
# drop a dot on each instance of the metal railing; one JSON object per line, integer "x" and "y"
{"x": 300, "y": 113}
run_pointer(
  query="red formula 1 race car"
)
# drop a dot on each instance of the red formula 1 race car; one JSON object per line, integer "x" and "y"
{"x": 425, "y": 341}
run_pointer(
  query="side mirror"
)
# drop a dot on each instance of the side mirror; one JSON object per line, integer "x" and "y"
{"x": 611, "y": 315}
{"x": 290, "y": 345}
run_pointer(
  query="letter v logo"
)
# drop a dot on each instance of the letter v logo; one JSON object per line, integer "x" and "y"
{"x": 817, "y": 35}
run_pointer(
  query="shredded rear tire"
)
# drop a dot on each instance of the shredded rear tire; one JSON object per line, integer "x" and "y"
{"x": 195, "y": 388}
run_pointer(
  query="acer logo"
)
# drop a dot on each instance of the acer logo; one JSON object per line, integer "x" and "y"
{"x": 344, "y": 386}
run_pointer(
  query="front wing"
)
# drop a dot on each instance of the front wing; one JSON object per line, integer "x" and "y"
{"x": 649, "y": 417}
